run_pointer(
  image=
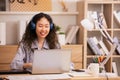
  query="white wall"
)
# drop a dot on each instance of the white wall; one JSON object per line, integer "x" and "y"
{"x": 70, "y": 4}
{"x": 12, "y": 19}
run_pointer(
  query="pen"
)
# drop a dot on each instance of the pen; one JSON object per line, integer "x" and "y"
{"x": 102, "y": 58}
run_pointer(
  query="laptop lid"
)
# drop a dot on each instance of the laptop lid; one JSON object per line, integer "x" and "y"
{"x": 51, "y": 61}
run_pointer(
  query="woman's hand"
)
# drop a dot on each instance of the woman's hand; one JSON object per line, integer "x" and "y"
{"x": 27, "y": 65}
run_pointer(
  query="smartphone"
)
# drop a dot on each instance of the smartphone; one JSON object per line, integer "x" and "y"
{"x": 78, "y": 70}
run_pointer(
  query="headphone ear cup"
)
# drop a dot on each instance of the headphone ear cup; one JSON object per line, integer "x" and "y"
{"x": 51, "y": 26}
{"x": 32, "y": 25}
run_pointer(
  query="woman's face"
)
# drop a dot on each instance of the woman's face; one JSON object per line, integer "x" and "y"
{"x": 42, "y": 28}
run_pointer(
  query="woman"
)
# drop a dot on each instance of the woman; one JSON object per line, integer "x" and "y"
{"x": 40, "y": 34}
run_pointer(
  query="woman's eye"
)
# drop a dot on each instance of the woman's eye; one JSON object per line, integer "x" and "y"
{"x": 40, "y": 26}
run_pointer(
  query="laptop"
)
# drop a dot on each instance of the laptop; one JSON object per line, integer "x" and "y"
{"x": 51, "y": 61}
{"x": 14, "y": 72}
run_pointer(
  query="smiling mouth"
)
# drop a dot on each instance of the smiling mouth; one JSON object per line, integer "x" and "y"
{"x": 42, "y": 33}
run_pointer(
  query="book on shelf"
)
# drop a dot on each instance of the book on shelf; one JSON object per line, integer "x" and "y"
{"x": 104, "y": 32}
{"x": 96, "y": 50}
{"x": 114, "y": 68}
{"x": 103, "y": 47}
{"x": 97, "y": 46}
{"x": 117, "y": 65}
{"x": 116, "y": 41}
{"x": 7, "y": 5}
{"x": 92, "y": 15}
{"x": 117, "y": 16}
{"x": 2, "y": 33}
{"x": 95, "y": 40}
{"x": 98, "y": 17}
{"x": 101, "y": 19}
{"x": 4, "y": 5}
{"x": 118, "y": 49}
{"x": 71, "y": 34}
{"x": 21, "y": 29}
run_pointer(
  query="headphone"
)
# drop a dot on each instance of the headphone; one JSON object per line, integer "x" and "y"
{"x": 33, "y": 26}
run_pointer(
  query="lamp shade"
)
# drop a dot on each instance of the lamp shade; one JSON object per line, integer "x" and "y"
{"x": 87, "y": 24}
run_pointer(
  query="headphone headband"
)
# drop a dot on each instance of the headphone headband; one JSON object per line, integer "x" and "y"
{"x": 51, "y": 26}
{"x": 33, "y": 26}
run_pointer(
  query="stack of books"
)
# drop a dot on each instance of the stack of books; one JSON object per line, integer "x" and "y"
{"x": 98, "y": 47}
{"x": 71, "y": 34}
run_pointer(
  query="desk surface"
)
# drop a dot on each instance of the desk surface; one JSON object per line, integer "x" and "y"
{"x": 88, "y": 78}
{"x": 72, "y": 78}
{"x": 95, "y": 78}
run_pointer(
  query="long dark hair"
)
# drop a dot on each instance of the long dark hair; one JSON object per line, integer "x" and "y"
{"x": 30, "y": 33}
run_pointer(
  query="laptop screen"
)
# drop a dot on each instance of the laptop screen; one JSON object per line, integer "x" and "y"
{"x": 51, "y": 61}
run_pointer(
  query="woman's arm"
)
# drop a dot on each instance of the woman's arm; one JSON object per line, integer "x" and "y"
{"x": 19, "y": 59}
{"x": 27, "y": 65}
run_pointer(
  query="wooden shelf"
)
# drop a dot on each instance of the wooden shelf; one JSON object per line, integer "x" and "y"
{"x": 99, "y": 30}
{"x": 32, "y": 13}
{"x": 101, "y": 1}
{"x": 116, "y": 29}
{"x": 116, "y": 56}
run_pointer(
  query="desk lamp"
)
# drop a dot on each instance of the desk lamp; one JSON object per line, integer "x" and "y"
{"x": 87, "y": 24}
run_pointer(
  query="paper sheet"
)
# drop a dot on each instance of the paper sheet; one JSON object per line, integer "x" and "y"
{"x": 39, "y": 77}
{"x": 82, "y": 74}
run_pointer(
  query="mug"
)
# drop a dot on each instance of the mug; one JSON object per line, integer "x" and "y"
{"x": 93, "y": 69}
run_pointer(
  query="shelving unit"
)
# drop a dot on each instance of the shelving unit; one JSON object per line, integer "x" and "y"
{"x": 107, "y": 7}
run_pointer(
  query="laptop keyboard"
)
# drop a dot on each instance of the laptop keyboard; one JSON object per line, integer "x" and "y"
{"x": 14, "y": 72}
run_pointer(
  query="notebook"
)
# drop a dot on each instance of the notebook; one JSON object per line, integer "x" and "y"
{"x": 51, "y": 61}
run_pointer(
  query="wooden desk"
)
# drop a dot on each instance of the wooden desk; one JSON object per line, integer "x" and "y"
{"x": 95, "y": 78}
{"x": 116, "y": 78}
{"x": 73, "y": 78}
{"x": 88, "y": 78}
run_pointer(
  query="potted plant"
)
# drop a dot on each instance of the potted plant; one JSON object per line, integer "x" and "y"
{"x": 61, "y": 35}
